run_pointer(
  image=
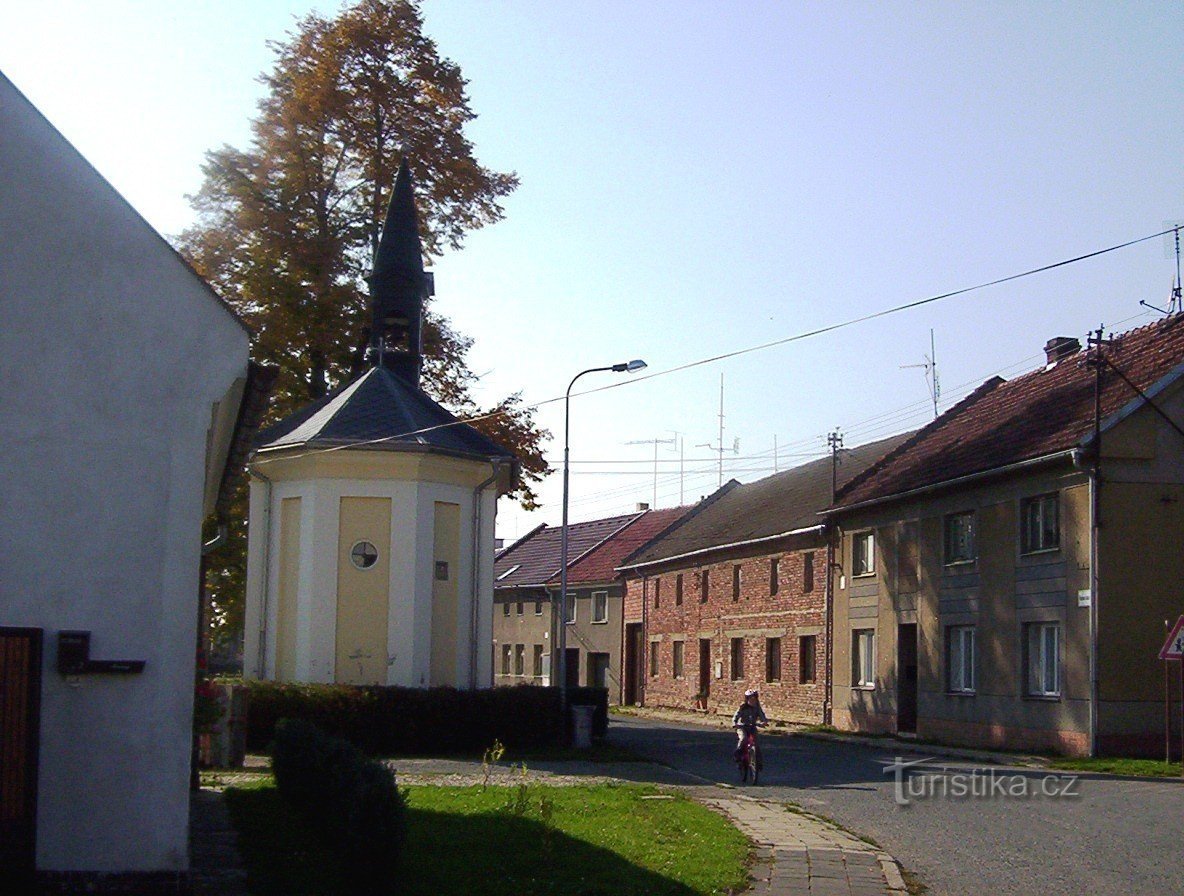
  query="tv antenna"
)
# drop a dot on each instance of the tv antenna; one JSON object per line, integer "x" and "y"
{"x": 719, "y": 449}
{"x": 931, "y": 378}
{"x": 1177, "y": 303}
{"x": 656, "y": 443}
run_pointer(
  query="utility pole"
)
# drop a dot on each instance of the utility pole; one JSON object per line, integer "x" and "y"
{"x": 834, "y": 441}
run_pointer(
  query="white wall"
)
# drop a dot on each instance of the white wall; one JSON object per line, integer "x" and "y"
{"x": 411, "y": 574}
{"x": 112, "y": 354}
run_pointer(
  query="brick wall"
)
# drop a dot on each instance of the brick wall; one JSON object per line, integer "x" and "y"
{"x": 742, "y": 608}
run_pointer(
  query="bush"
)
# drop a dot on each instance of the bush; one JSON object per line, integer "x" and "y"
{"x": 354, "y": 800}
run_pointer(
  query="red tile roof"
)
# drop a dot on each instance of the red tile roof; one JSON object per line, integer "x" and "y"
{"x": 600, "y": 565}
{"x": 1035, "y": 415}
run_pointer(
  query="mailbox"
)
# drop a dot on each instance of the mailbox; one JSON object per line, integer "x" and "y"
{"x": 74, "y": 657}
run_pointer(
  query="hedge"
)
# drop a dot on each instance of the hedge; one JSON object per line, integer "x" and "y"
{"x": 395, "y": 721}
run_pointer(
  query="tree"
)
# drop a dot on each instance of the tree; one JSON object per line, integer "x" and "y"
{"x": 287, "y": 229}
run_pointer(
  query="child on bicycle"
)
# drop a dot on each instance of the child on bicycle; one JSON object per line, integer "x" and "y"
{"x": 748, "y": 718}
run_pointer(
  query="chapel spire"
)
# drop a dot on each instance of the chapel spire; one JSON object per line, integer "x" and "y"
{"x": 399, "y": 286}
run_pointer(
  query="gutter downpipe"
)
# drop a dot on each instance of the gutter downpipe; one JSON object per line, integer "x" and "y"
{"x": 1091, "y": 469}
{"x": 474, "y": 614}
{"x": 261, "y": 664}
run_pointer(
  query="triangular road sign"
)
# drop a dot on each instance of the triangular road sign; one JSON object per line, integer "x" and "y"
{"x": 1173, "y": 647}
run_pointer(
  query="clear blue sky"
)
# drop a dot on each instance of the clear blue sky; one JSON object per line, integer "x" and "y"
{"x": 701, "y": 177}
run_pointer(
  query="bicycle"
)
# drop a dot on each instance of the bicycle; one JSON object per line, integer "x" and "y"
{"x": 749, "y": 760}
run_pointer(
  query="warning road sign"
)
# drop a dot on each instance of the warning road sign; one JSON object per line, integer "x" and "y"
{"x": 1173, "y": 647}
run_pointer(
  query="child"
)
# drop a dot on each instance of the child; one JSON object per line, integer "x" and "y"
{"x": 748, "y": 718}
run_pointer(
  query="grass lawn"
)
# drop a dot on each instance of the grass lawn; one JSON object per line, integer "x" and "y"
{"x": 1144, "y": 768}
{"x": 576, "y": 841}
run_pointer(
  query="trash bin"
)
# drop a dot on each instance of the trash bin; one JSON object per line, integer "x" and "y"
{"x": 581, "y": 729}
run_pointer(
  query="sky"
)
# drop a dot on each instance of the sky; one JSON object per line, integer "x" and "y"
{"x": 701, "y": 179}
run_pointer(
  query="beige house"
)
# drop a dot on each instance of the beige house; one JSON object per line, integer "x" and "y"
{"x": 1001, "y": 580}
{"x": 372, "y": 514}
{"x": 527, "y": 584}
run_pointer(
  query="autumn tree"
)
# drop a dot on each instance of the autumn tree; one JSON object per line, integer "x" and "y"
{"x": 287, "y": 228}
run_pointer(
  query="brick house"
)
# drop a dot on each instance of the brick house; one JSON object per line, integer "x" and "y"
{"x": 1003, "y": 582}
{"x": 735, "y": 596}
{"x": 526, "y": 588}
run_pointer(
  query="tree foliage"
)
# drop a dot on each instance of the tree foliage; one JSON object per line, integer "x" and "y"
{"x": 287, "y": 228}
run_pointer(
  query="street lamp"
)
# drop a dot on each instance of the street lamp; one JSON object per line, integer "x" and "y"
{"x": 560, "y": 663}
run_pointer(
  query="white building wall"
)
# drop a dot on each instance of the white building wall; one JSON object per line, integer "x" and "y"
{"x": 112, "y": 354}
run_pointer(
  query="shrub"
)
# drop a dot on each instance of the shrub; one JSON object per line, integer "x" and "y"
{"x": 354, "y": 800}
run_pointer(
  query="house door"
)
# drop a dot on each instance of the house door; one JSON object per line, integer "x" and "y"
{"x": 705, "y": 667}
{"x": 906, "y": 678}
{"x": 634, "y": 657}
{"x": 598, "y": 670}
{"x": 20, "y": 714}
{"x": 571, "y": 666}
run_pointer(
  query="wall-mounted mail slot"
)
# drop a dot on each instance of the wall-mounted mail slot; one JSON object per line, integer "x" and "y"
{"x": 74, "y": 657}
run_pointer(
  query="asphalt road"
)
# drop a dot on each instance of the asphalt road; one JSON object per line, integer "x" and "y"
{"x": 965, "y": 829}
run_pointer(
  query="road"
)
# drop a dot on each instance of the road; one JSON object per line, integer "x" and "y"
{"x": 1108, "y": 836}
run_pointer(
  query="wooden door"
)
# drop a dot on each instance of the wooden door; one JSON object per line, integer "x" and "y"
{"x": 20, "y": 714}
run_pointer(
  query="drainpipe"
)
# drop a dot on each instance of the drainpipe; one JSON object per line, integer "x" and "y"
{"x": 1081, "y": 462}
{"x": 474, "y": 613}
{"x": 216, "y": 542}
{"x": 261, "y": 665}
{"x": 829, "y": 630}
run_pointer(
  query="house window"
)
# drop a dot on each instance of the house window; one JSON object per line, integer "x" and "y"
{"x": 808, "y": 572}
{"x": 678, "y": 658}
{"x": 506, "y": 651}
{"x": 774, "y": 583}
{"x": 600, "y": 606}
{"x": 1040, "y": 524}
{"x": 653, "y": 659}
{"x": 863, "y": 658}
{"x": 538, "y": 608}
{"x": 519, "y": 659}
{"x": 570, "y": 615}
{"x": 960, "y": 659}
{"x": 657, "y": 593}
{"x": 959, "y": 538}
{"x": 678, "y": 590}
{"x": 506, "y": 608}
{"x": 519, "y": 608}
{"x": 736, "y": 581}
{"x": 537, "y": 668}
{"x": 704, "y": 586}
{"x": 772, "y": 659}
{"x": 737, "y": 659}
{"x": 806, "y": 659}
{"x": 1044, "y": 642}
{"x": 363, "y": 555}
{"x": 907, "y": 558}
{"x": 863, "y": 554}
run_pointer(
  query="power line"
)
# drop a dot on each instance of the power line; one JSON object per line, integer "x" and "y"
{"x": 830, "y": 328}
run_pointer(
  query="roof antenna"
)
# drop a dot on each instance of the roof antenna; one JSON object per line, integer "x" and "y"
{"x": 1177, "y": 303}
{"x": 931, "y": 377}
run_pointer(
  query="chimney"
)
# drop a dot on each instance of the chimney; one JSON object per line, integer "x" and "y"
{"x": 642, "y": 505}
{"x": 1059, "y": 348}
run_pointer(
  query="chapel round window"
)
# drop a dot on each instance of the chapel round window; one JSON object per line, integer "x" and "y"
{"x": 363, "y": 555}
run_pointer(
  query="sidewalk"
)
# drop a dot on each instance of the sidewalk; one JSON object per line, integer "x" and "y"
{"x": 795, "y": 853}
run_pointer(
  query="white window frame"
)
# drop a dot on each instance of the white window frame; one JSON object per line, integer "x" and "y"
{"x": 1044, "y": 659}
{"x": 967, "y": 544}
{"x": 599, "y": 607}
{"x": 1035, "y": 510}
{"x": 863, "y": 658}
{"x": 863, "y": 562}
{"x": 961, "y": 659}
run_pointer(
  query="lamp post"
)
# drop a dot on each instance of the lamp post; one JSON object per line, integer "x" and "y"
{"x": 560, "y": 663}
